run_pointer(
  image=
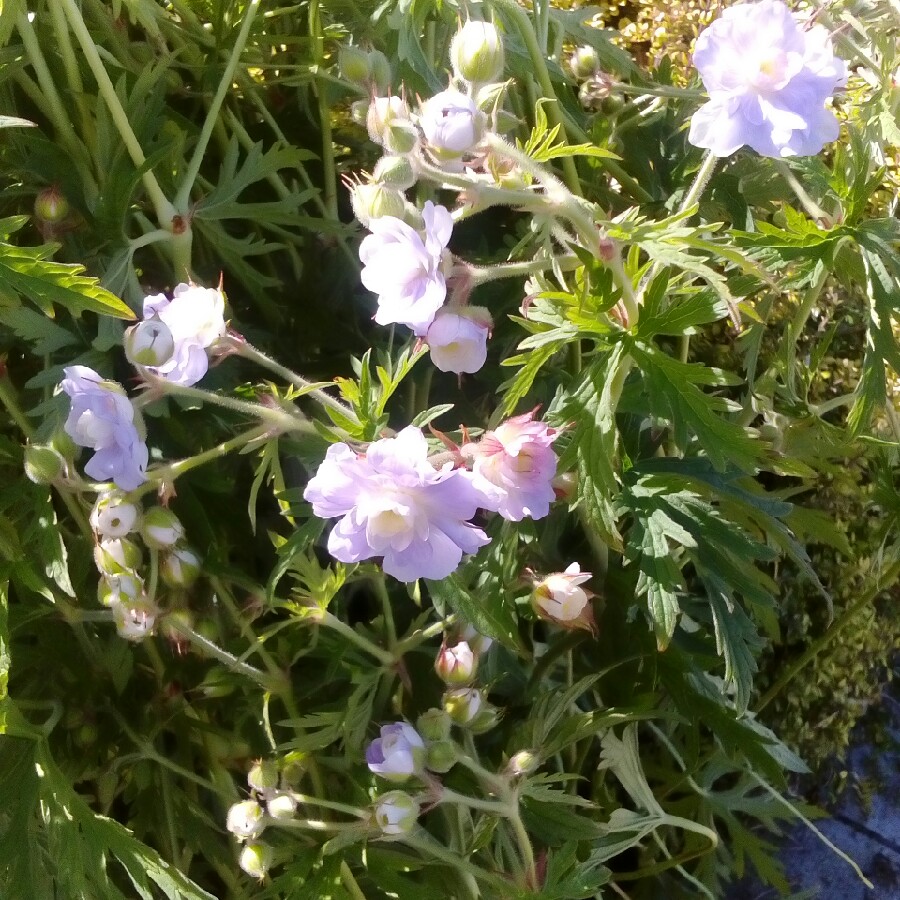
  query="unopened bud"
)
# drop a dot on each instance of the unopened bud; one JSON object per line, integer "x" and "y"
{"x": 149, "y": 343}
{"x": 486, "y": 719}
{"x": 359, "y": 111}
{"x": 395, "y": 172}
{"x": 161, "y": 528}
{"x": 396, "y": 813}
{"x": 281, "y": 806}
{"x": 565, "y": 485}
{"x": 434, "y": 725}
{"x": 43, "y": 464}
{"x": 113, "y": 517}
{"x": 180, "y": 568}
{"x": 116, "y": 556}
{"x": 245, "y": 820}
{"x": 559, "y": 598}
{"x": 256, "y": 859}
{"x": 379, "y": 72}
{"x": 134, "y": 619}
{"x": 384, "y": 112}
{"x": 441, "y": 756}
{"x": 263, "y": 776}
{"x": 523, "y": 763}
{"x": 373, "y": 201}
{"x": 584, "y": 62}
{"x": 50, "y": 206}
{"x": 456, "y": 664}
{"x": 463, "y": 704}
{"x": 124, "y": 587}
{"x": 476, "y": 53}
{"x": 353, "y": 64}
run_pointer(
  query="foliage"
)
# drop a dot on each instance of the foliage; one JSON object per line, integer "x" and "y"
{"x": 713, "y": 344}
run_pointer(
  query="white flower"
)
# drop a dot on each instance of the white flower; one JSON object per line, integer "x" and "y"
{"x": 101, "y": 417}
{"x": 404, "y": 268}
{"x": 457, "y": 340}
{"x": 451, "y": 122}
{"x": 195, "y": 317}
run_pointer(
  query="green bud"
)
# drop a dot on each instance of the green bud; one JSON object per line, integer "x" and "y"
{"x": 584, "y": 62}
{"x": 486, "y": 718}
{"x": 463, "y": 704}
{"x": 359, "y": 111}
{"x": 523, "y": 763}
{"x": 180, "y": 568}
{"x": 400, "y": 138}
{"x": 161, "y": 528}
{"x": 396, "y": 813}
{"x": 116, "y": 556}
{"x": 124, "y": 587}
{"x": 50, "y": 206}
{"x": 353, "y": 64}
{"x": 476, "y": 53}
{"x": 256, "y": 859}
{"x": 441, "y": 756}
{"x": 379, "y": 72}
{"x": 63, "y": 444}
{"x": 43, "y": 464}
{"x": 149, "y": 343}
{"x": 263, "y": 776}
{"x": 373, "y": 201}
{"x": 281, "y": 806}
{"x": 395, "y": 172}
{"x": 434, "y": 725}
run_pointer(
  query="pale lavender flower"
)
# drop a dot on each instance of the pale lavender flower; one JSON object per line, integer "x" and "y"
{"x": 768, "y": 80}
{"x": 395, "y": 505}
{"x": 451, "y": 122}
{"x": 514, "y": 467}
{"x": 195, "y": 317}
{"x": 404, "y": 268}
{"x": 397, "y": 753}
{"x": 101, "y": 418}
{"x": 457, "y": 339}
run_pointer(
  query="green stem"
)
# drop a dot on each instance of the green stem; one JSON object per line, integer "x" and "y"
{"x": 798, "y": 323}
{"x": 483, "y": 274}
{"x": 813, "y": 210}
{"x": 554, "y": 117}
{"x": 422, "y": 635}
{"x": 331, "y": 804}
{"x": 183, "y": 197}
{"x": 387, "y": 611}
{"x": 335, "y": 624}
{"x": 658, "y": 91}
{"x": 214, "y": 650}
{"x": 165, "y": 211}
{"x": 525, "y": 848}
{"x": 154, "y": 574}
{"x": 491, "y": 806}
{"x": 790, "y": 672}
{"x": 350, "y": 883}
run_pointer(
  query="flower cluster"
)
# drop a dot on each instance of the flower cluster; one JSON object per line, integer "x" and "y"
{"x": 176, "y": 334}
{"x": 395, "y": 504}
{"x": 102, "y": 418}
{"x": 768, "y": 80}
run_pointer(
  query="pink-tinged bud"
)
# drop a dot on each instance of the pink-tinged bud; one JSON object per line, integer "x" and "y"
{"x": 514, "y": 466}
{"x": 463, "y": 704}
{"x": 452, "y": 124}
{"x": 246, "y": 820}
{"x": 396, "y": 813}
{"x": 50, "y": 206}
{"x": 559, "y": 598}
{"x": 565, "y": 485}
{"x": 256, "y": 859}
{"x": 457, "y": 664}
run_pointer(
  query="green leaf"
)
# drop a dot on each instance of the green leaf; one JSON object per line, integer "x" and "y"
{"x": 490, "y": 613}
{"x": 28, "y": 272}
{"x": 736, "y": 640}
{"x": 5, "y": 660}
{"x": 42, "y": 333}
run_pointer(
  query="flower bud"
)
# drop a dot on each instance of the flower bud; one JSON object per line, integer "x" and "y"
{"x": 263, "y": 776}
{"x": 396, "y": 813}
{"x": 565, "y": 485}
{"x": 149, "y": 343}
{"x": 584, "y": 62}
{"x": 245, "y": 820}
{"x": 116, "y": 556}
{"x": 359, "y": 111}
{"x": 434, "y": 725}
{"x": 594, "y": 92}
{"x": 50, "y": 206}
{"x": 383, "y": 113}
{"x": 559, "y": 598}
{"x": 281, "y": 806}
{"x": 476, "y": 53}
{"x": 395, "y": 172}
{"x": 122, "y": 587}
{"x": 180, "y": 568}
{"x": 478, "y": 642}
{"x": 397, "y": 753}
{"x": 134, "y": 619}
{"x": 486, "y": 719}
{"x": 256, "y": 859}
{"x": 452, "y": 124}
{"x": 353, "y": 64}
{"x": 441, "y": 756}
{"x": 400, "y": 138}
{"x": 463, "y": 704}
{"x": 523, "y": 763}
{"x": 43, "y": 464}
{"x": 161, "y": 528}
{"x": 379, "y": 72}
{"x": 372, "y": 201}
{"x": 456, "y": 664}
{"x": 113, "y": 517}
